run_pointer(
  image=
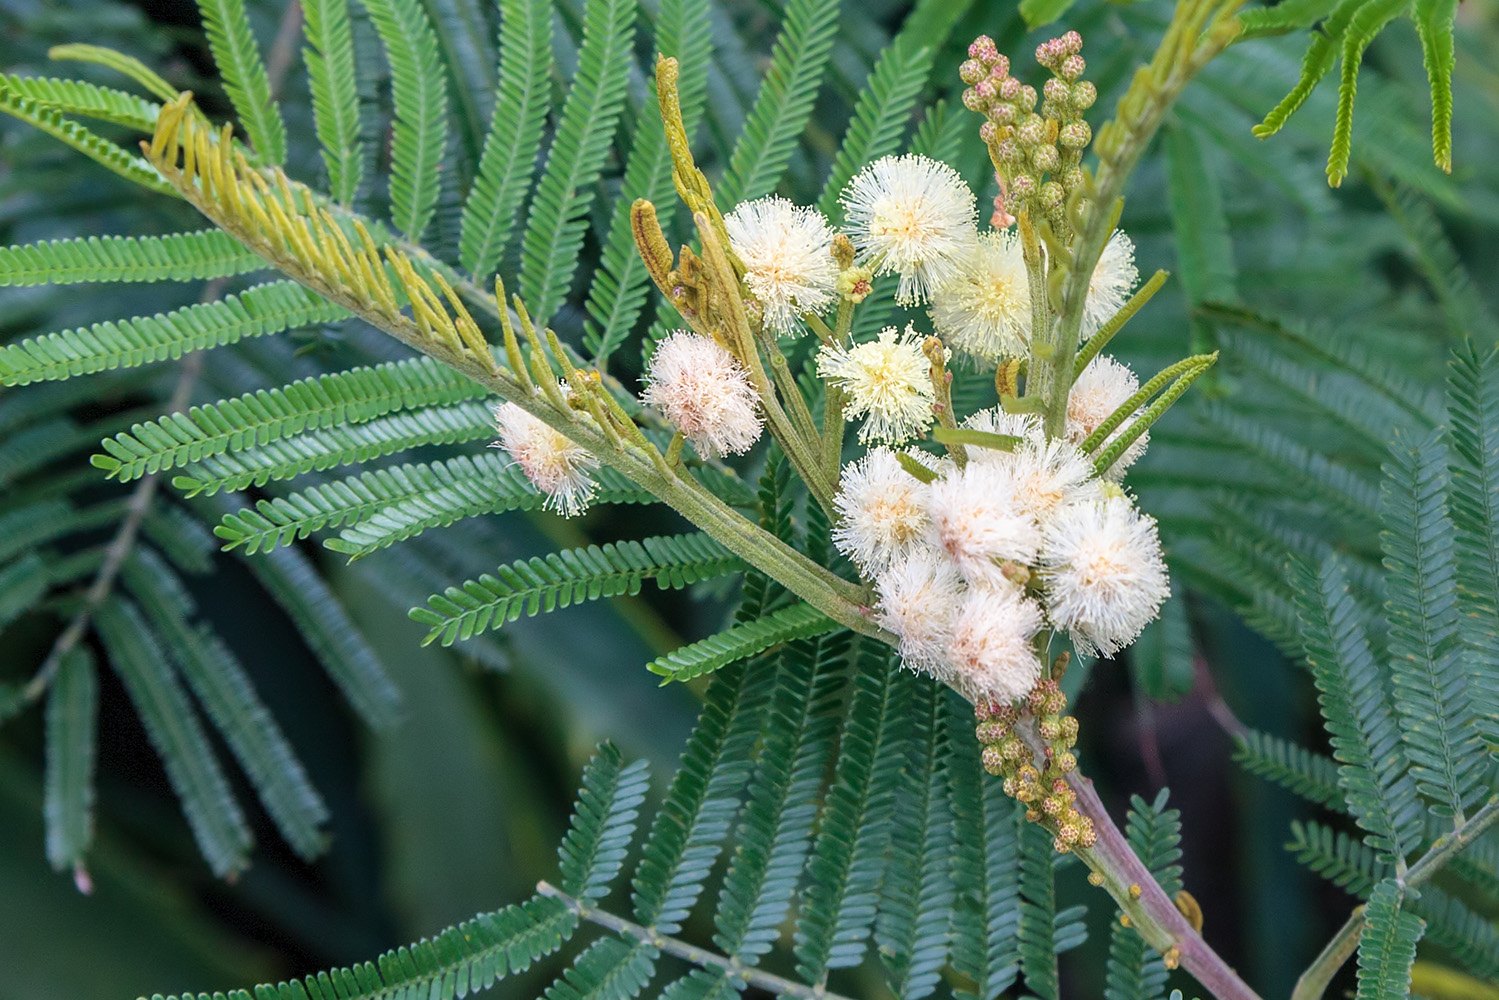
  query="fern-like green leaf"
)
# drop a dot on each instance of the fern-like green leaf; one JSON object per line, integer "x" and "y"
{"x": 1042, "y": 12}
{"x": 385, "y": 506}
{"x": 1036, "y": 931}
{"x": 72, "y": 721}
{"x": 85, "y": 100}
{"x": 853, "y": 833}
{"x": 514, "y": 138}
{"x": 1360, "y": 723}
{"x": 784, "y": 102}
{"x": 419, "y": 89}
{"x": 257, "y": 419}
{"x": 334, "y": 446}
{"x": 542, "y": 584}
{"x": 617, "y": 296}
{"x": 1204, "y": 250}
{"x": 225, "y": 691}
{"x": 914, "y": 928}
{"x": 603, "y": 824}
{"x": 264, "y": 309}
{"x": 590, "y": 114}
{"x": 610, "y": 969}
{"x": 1310, "y": 775}
{"x": 47, "y": 118}
{"x": 799, "y": 621}
{"x": 1387, "y": 945}
{"x": 1473, "y": 395}
{"x": 1434, "y": 24}
{"x": 688, "y": 832}
{"x": 1135, "y": 971}
{"x": 329, "y": 55}
{"x": 463, "y": 959}
{"x": 173, "y": 727}
{"x": 22, "y": 583}
{"x": 210, "y": 253}
{"x": 880, "y": 116}
{"x": 775, "y": 829}
{"x": 1438, "y": 719}
{"x": 1283, "y": 17}
{"x": 1344, "y": 861}
{"x": 243, "y": 73}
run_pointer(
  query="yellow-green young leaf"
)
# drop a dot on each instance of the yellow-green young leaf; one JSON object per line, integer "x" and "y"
{"x": 1434, "y": 21}
{"x": 1042, "y": 12}
{"x": 1367, "y": 22}
{"x": 48, "y": 119}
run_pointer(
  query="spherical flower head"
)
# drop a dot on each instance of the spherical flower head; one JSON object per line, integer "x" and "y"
{"x": 554, "y": 464}
{"x": 918, "y": 597}
{"x": 788, "y": 258}
{"x": 989, "y": 651}
{"x": 978, "y": 523}
{"x": 1047, "y": 476}
{"x": 1104, "y": 386}
{"x": 1104, "y": 573}
{"x": 887, "y": 380}
{"x": 881, "y": 511}
{"x": 995, "y": 420}
{"x": 704, "y": 392}
{"x": 985, "y": 310}
{"x": 913, "y": 216}
{"x": 1113, "y": 280}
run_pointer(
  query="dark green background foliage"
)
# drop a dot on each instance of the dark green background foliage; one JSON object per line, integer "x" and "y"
{"x": 439, "y": 778}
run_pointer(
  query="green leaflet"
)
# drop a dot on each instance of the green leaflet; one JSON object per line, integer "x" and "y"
{"x": 72, "y": 720}
{"x": 784, "y": 102}
{"x": 799, "y": 621}
{"x": 1038, "y": 13}
{"x": 1310, "y": 775}
{"x": 559, "y": 579}
{"x": 209, "y": 253}
{"x": 514, "y": 139}
{"x": 603, "y": 824}
{"x": 260, "y": 418}
{"x": 264, "y": 309}
{"x": 1387, "y": 946}
{"x": 1135, "y": 971}
{"x": 419, "y": 86}
{"x": 47, "y": 118}
{"x": 87, "y": 100}
{"x": 329, "y": 55}
{"x": 244, "y": 76}
{"x": 1434, "y": 24}
{"x": 590, "y": 115}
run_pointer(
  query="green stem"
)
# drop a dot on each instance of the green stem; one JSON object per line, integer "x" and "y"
{"x": 1314, "y": 981}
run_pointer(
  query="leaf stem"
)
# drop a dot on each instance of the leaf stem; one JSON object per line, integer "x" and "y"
{"x": 1313, "y": 982}
{"x": 732, "y": 968}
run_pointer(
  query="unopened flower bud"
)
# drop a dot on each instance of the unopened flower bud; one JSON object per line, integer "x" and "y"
{"x": 972, "y": 101}
{"x": 1052, "y": 194}
{"x": 1072, "y": 68}
{"x": 843, "y": 251}
{"x": 1066, "y": 762}
{"x": 1056, "y": 701}
{"x": 1083, "y": 95}
{"x": 1069, "y": 729}
{"x": 1014, "y": 749}
{"x": 990, "y": 732}
{"x": 855, "y": 284}
{"x": 1000, "y": 67}
{"x": 994, "y": 764}
{"x": 1027, "y": 96}
{"x": 983, "y": 49}
{"x": 1050, "y": 728}
{"x": 1052, "y": 805}
{"x": 1045, "y": 158}
{"x": 989, "y": 132}
{"x": 1074, "y": 135}
{"x": 1056, "y": 90}
{"x": 1009, "y": 88}
{"x": 1071, "y": 178}
{"x": 1001, "y": 113}
{"x": 1007, "y": 151}
{"x": 1032, "y": 131}
{"x": 972, "y": 71}
{"x": 1010, "y": 786}
{"x": 1022, "y": 186}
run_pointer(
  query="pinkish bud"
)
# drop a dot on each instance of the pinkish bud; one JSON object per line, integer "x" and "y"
{"x": 1032, "y": 131}
{"x": 1007, "y": 150}
{"x": 1074, "y": 135}
{"x": 989, "y": 132}
{"x": 1022, "y": 186}
{"x": 1009, "y": 88}
{"x": 983, "y": 49}
{"x": 1002, "y": 114}
{"x": 972, "y": 71}
{"x": 1071, "y": 43}
{"x": 1072, "y": 68}
{"x": 1027, "y": 96}
{"x": 1056, "y": 90}
{"x": 1001, "y": 67}
{"x": 972, "y": 101}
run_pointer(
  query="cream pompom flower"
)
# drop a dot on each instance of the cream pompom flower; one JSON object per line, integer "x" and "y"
{"x": 1104, "y": 573}
{"x": 985, "y": 309}
{"x": 788, "y": 258}
{"x": 1112, "y": 283}
{"x": 913, "y": 216}
{"x": 1104, "y": 386}
{"x": 990, "y": 648}
{"x": 918, "y": 596}
{"x": 996, "y": 421}
{"x": 888, "y": 381}
{"x": 1046, "y": 476}
{"x": 979, "y": 524}
{"x": 881, "y": 511}
{"x": 554, "y": 464}
{"x": 704, "y": 392}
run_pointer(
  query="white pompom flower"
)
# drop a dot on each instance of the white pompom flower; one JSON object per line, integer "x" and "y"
{"x": 881, "y": 511}
{"x": 991, "y": 650}
{"x": 887, "y": 380}
{"x": 985, "y": 310}
{"x": 554, "y": 464}
{"x": 1104, "y": 573}
{"x": 918, "y": 597}
{"x": 996, "y": 421}
{"x": 788, "y": 258}
{"x": 978, "y": 523}
{"x": 1104, "y": 386}
{"x": 704, "y": 392}
{"x": 1113, "y": 282}
{"x": 912, "y": 216}
{"x": 1046, "y": 476}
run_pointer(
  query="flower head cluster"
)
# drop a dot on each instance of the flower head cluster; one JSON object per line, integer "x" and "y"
{"x": 984, "y": 310}
{"x": 556, "y": 466}
{"x": 912, "y": 216}
{"x": 970, "y": 567}
{"x": 888, "y": 381}
{"x": 704, "y": 392}
{"x": 788, "y": 259}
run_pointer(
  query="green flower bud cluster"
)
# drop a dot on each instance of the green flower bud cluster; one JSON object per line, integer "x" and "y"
{"x": 1038, "y": 154}
{"x": 1038, "y": 783}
